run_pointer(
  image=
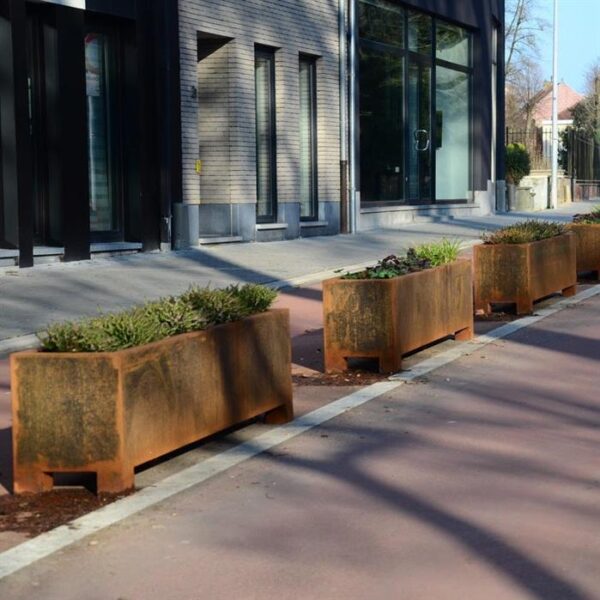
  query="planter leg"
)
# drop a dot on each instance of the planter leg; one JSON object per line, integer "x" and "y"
{"x": 335, "y": 363}
{"x": 391, "y": 363}
{"x": 570, "y": 291}
{"x": 114, "y": 481}
{"x": 280, "y": 415}
{"x": 32, "y": 481}
{"x": 524, "y": 306}
{"x": 464, "y": 335}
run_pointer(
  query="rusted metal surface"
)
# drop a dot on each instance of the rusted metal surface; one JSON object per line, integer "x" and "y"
{"x": 385, "y": 319}
{"x": 109, "y": 412}
{"x": 588, "y": 247}
{"x": 523, "y": 273}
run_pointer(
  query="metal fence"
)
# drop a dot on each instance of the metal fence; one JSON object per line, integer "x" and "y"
{"x": 578, "y": 152}
{"x": 538, "y": 142}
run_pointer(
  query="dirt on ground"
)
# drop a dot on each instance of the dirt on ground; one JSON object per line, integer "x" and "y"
{"x": 349, "y": 378}
{"x": 33, "y": 514}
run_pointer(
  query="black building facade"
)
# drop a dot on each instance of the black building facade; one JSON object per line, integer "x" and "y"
{"x": 89, "y": 126}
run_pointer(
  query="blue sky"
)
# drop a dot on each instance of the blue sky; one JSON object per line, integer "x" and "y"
{"x": 579, "y": 45}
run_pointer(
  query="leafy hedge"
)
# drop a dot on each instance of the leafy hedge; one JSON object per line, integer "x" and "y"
{"x": 416, "y": 259}
{"x": 518, "y": 163}
{"x": 524, "y": 232}
{"x": 591, "y": 218}
{"x": 195, "y": 310}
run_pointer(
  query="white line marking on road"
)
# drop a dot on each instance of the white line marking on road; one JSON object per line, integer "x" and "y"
{"x": 44, "y": 545}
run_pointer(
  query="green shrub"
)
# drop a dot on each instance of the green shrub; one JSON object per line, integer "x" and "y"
{"x": 524, "y": 232}
{"x": 195, "y": 310}
{"x": 439, "y": 253}
{"x": 591, "y": 218}
{"x": 518, "y": 163}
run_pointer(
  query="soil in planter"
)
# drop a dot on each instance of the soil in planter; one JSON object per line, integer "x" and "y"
{"x": 37, "y": 513}
{"x": 353, "y": 377}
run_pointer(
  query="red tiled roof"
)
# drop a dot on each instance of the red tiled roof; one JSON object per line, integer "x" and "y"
{"x": 567, "y": 99}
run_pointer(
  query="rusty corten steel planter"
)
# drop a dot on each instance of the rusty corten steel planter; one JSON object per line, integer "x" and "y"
{"x": 523, "y": 273}
{"x": 587, "y": 238}
{"x": 106, "y": 413}
{"x": 386, "y": 318}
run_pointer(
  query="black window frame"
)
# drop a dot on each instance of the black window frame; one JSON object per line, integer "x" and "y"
{"x": 265, "y": 52}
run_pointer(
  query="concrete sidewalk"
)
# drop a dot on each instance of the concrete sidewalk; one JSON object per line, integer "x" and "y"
{"x": 32, "y": 298}
{"x": 479, "y": 480}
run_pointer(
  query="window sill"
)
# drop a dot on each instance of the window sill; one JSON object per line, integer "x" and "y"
{"x": 271, "y": 226}
{"x": 412, "y": 207}
{"x": 307, "y": 224}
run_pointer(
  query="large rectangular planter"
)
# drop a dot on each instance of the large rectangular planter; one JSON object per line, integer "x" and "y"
{"x": 387, "y": 318}
{"x": 588, "y": 247}
{"x": 106, "y": 413}
{"x": 523, "y": 273}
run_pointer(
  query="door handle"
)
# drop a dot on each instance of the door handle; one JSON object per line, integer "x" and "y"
{"x": 417, "y": 135}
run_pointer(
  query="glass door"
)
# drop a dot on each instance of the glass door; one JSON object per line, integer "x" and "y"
{"x": 419, "y": 133}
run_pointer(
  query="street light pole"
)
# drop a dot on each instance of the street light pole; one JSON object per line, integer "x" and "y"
{"x": 554, "y": 186}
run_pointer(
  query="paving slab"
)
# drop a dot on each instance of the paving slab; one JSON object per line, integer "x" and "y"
{"x": 479, "y": 481}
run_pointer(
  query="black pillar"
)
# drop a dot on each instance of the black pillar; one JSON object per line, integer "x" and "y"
{"x": 149, "y": 125}
{"x": 72, "y": 117}
{"x": 160, "y": 117}
{"x": 17, "y": 193}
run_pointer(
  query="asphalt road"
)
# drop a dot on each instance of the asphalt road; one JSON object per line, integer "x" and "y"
{"x": 480, "y": 481}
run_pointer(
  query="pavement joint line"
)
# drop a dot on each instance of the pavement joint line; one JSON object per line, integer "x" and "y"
{"x": 46, "y": 544}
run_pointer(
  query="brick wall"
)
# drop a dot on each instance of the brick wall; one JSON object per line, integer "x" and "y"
{"x": 218, "y": 119}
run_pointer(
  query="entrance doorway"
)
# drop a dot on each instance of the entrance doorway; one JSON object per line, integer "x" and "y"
{"x": 107, "y": 110}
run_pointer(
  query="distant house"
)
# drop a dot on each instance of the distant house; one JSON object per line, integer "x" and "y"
{"x": 568, "y": 98}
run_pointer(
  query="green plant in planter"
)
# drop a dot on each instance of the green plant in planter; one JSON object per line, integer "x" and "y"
{"x": 439, "y": 253}
{"x": 416, "y": 259}
{"x": 591, "y": 218}
{"x": 524, "y": 232}
{"x": 518, "y": 163}
{"x": 195, "y": 310}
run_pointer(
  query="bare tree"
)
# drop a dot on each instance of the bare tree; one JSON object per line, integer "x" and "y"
{"x": 523, "y": 28}
{"x": 523, "y": 94}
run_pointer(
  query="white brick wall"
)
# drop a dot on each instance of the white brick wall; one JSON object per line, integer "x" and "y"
{"x": 220, "y": 121}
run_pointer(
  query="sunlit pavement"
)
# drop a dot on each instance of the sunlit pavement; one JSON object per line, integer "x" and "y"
{"x": 31, "y": 298}
{"x": 480, "y": 481}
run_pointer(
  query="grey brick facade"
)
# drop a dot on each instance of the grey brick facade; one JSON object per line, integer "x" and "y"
{"x": 218, "y": 40}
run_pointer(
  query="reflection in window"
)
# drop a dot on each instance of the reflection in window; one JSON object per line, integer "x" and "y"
{"x": 103, "y": 214}
{"x": 452, "y": 139}
{"x": 308, "y": 139}
{"x": 381, "y": 21}
{"x": 265, "y": 135}
{"x": 419, "y": 32}
{"x": 381, "y": 126}
{"x": 453, "y": 44}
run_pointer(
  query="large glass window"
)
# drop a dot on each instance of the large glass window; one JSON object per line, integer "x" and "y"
{"x": 266, "y": 165}
{"x": 381, "y": 21}
{"x": 453, "y": 134}
{"x": 104, "y": 215}
{"x": 452, "y": 44}
{"x": 419, "y": 32}
{"x": 308, "y": 138}
{"x": 381, "y": 126}
{"x": 415, "y": 104}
